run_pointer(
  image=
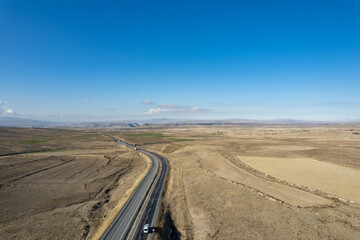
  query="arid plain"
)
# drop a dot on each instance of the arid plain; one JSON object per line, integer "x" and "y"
{"x": 225, "y": 182}
{"x": 62, "y": 184}
{"x": 263, "y": 182}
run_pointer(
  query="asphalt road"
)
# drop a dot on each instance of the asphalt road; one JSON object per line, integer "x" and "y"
{"x": 144, "y": 204}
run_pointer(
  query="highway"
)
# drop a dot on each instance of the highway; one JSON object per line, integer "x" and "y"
{"x": 144, "y": 204}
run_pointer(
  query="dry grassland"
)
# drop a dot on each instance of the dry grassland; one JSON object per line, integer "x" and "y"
{"x": 277, "y": 182}
{"x": 227, "y": 170}
{"x": 326, "y": 177}
{"x": 61, "y": 184}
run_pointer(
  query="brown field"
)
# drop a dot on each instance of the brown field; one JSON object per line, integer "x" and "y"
{"x": 270, "y": 182}
{"x": 227, "y": 170}
{"x": 326, "y": 177}
{"x": 225, "y": 182}
{"x": 62, "y": 184}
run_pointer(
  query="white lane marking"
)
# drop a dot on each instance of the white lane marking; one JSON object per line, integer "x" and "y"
{"x": 135, "y": 199}
{"x": 135, "y": 203}
{"x": 133, "y": 213}
{"x": 132, "y": 206}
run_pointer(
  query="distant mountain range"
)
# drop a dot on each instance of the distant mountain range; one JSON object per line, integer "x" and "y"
{"x": 22, "y": 122}
{"x": 105, "y": 124}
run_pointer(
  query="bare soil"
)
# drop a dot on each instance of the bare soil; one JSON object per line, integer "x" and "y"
{"x": 212, "y": 194}
{"x": 61, "y": 184}
{"x": 326, "y": 177}
{"x": 227, "y": 170}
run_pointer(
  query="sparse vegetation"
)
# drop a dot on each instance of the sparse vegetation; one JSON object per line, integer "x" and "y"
{"x": 173, "y": 147}
{"x": 61, "y": 183}
{"x": 204, "y": 201}
{"x": 206, "y": 205}
{"x": 145, "y": 138}
{"x": 144, "y": 135}
{"x": 34, "y": 141}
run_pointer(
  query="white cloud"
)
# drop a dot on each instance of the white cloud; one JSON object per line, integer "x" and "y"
{"x": 154, "y": 111}
{"x": 84, "y": 101}
{"x": 174, "y": 109}
{"x": 168, "y": 106}
{"x": 148, "y": 102}
{"x": 9, "y": 111}
{"x": 198, "y": 109}
{"x": 4, "y": 110}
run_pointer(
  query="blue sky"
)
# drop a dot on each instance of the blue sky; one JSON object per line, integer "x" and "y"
{"x": 121, "y": 60}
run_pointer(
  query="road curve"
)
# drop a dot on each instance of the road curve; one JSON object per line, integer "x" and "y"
{"x": 144, "y": 204}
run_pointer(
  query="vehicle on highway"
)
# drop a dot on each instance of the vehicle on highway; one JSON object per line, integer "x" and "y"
{"x": 146, "y": 228}
{"x": 130, "y": 223}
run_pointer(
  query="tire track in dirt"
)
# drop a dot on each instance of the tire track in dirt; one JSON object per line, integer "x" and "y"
{"x": 103, "y": 194}
{"x": 21, "y": 153}
{"x": 41, "y": 170}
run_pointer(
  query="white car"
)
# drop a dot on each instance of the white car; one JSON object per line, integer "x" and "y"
{"x": 146, "y": 228}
